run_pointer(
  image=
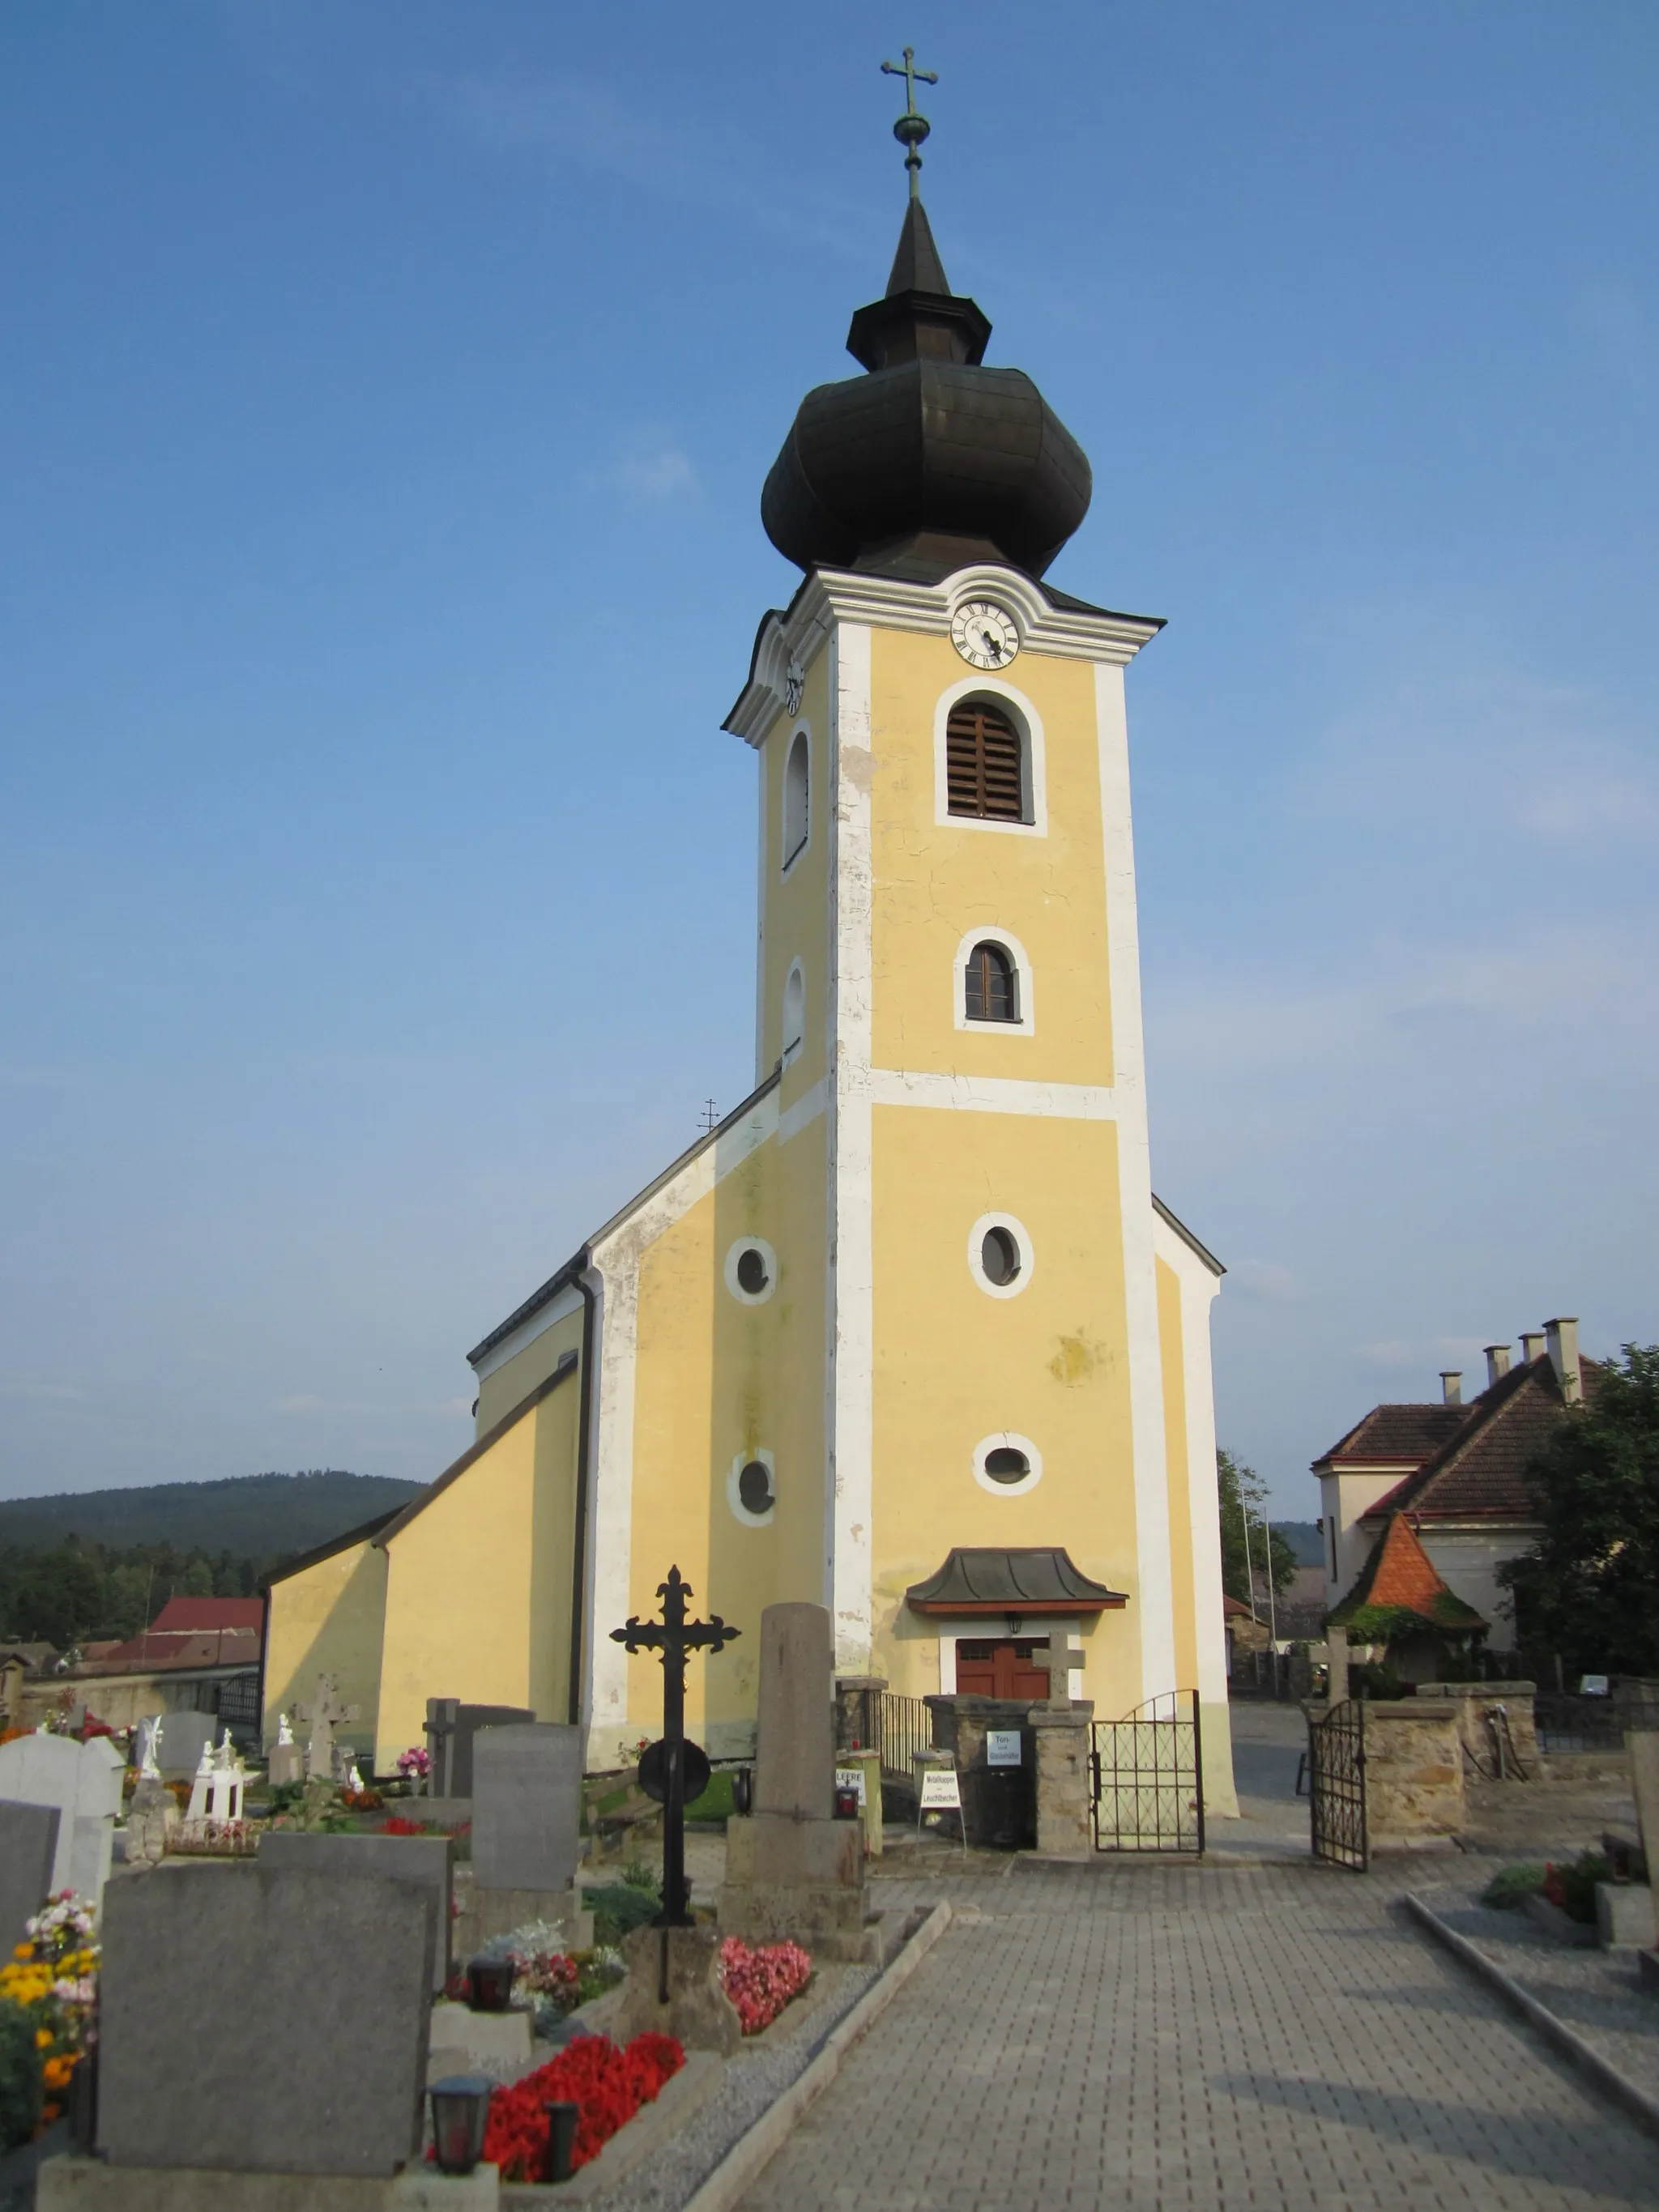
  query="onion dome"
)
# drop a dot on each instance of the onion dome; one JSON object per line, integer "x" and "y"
{"x": 930, "y": 460}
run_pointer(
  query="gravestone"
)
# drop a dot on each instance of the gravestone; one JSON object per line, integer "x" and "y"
{"x": 527, "y": 1805}
{"x": 426, "y": 1861}
{"x": 1642, "y": 1749}
{"x": 286, "y": 1762}
{"x": 183, "y": 1738}
{"x": 83, "y": 1781}
{"x": 324, "y": 1759}
{"x": 450, "y": 1728}
{"x": 265, "y": 2020}
{"x": 28, "y": 1846}
{"x": 791, "y": 1869}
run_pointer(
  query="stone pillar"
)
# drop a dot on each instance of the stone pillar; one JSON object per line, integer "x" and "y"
{"x": 1336, "y": 1663}
{"x": 858, "y": 1711}
{"x": 870, "y": 1763}
{"x": 1064, "y": 1825}
{"x": 791, "y": 1869}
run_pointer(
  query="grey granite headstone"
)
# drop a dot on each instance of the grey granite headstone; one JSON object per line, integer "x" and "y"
{"x": 527, "y": 1805}
{"x": 264, "y": 2020}
{"x": 426, "y": 1860}
{"x": 451, "y": 1727}
{"x": 28, "y": 1844}
{"x": 83, "y": 1781}
{"x": 182, "y": 1734}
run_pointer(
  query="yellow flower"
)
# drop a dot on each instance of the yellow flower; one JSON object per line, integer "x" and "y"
{"x": 43, "y": 2038}
{"x": 23, "y": 1951}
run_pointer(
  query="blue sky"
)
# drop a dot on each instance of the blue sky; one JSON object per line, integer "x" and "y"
{"x": 384, "y": 399}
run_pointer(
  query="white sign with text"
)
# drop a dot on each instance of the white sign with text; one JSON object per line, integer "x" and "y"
{"x": 1002, "y": 1748}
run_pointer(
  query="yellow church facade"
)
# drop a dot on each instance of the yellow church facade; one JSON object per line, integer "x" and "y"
{"x": 908, "y": 1333}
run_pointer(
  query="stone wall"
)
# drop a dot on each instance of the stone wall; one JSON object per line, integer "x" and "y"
{"x": 1413, "y": 1771}
{"x": 1472, "y": 1701}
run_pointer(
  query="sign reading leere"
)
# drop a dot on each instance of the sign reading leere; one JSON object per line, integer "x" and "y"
{"x": 851, "y": 1778}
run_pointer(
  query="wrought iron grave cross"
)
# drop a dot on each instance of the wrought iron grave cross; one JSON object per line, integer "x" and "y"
{"x": 663, "y": 1771}
{"x": 912, "y": 126}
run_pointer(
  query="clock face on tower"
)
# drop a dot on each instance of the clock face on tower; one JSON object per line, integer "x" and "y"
{"x": 983, "y": 634}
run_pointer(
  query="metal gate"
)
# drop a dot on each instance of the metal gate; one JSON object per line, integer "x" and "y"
{"x": 1147, "y": 1771}
{"x": 1336, "y": 1786}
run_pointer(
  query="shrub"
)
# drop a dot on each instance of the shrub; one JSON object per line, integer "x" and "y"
{"x": 1509, "y": 1889}
{"x": 1573, "y": 1887}
{"x": 20, "y": 2076}
{"x": 618, "y": 1907}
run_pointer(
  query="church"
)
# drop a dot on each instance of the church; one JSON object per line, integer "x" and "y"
{"x": 907, "y": 1333}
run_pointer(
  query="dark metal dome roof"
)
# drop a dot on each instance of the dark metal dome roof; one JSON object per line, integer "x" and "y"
{"x": 931, "y": 460}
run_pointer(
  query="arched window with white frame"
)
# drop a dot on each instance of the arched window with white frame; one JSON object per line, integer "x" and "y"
{"x": 992, "y": 981}
{"x": 797, "y": 798}
{"x": 794, "y": 1012}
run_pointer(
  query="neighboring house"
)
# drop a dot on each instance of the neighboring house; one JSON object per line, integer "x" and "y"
{"x": 1458, "y": 1471}
{"x": 199, "y": 1654}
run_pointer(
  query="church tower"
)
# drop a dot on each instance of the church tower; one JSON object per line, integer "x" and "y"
{"x": 1015, "y": 1384}
{"x": 908, "y": 1333}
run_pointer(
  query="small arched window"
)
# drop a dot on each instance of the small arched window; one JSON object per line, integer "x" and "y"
{"x": 795, "y": 794}
{"x": 794, "y": 1012}
{"x": 985, "y": 764}
{"x": 991, "y": 987}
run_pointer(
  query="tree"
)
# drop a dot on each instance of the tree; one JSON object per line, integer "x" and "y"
{"x": 198, "y": 1579}
{"x": 1586, "y": 1589}
{"x": 1243, "y": 1494}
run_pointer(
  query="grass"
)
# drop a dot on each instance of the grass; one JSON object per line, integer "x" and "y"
{"x": 715, "y": 1802}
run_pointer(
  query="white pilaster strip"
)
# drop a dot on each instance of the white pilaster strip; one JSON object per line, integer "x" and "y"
{"x": 1154, "y": 1608}
{"x": 850, "y": 1437}
{"x": 1198, "y": 1289}
{"x": 611, "y": 1494}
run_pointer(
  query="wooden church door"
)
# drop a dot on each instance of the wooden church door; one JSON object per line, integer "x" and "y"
{"x": 1012, "y": 1667}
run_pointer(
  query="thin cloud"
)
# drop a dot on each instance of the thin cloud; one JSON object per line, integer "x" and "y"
{"x": 657, "y": 472}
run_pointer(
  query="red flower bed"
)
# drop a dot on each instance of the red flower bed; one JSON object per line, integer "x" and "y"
{"x": 608, "y": 2086}
{"x": 395, "y": 1825}
{"x": 761, "y": 1981}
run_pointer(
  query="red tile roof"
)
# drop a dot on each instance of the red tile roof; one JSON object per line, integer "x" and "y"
{"x": 1400, "y": 1573}
{"x": 198, "y": 1613}
{"x": 1480, "y": 1474}
{"x": 162, "y": 1652}
{"x": 1395, "y": 1436}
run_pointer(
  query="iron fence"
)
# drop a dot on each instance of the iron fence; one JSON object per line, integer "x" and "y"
{"x": 1147, "y": 1770}
{"x": 906, "y": 1727}
{"x": 238, "y": 1701}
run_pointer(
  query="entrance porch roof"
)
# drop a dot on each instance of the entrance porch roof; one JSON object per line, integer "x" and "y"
{"x": 983, "y": 1578}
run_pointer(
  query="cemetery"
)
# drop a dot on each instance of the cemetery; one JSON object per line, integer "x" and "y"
{"x": 470, "y": 1981}
{"x": 300, "y": 1986}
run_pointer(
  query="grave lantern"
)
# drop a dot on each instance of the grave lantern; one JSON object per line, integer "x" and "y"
{"x": 460, "y": 2112}
{"x": 561, "y": 2139}
{"x": 489, "y": 1984}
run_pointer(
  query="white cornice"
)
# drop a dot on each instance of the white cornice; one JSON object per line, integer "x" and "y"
{"x": 829, "y": 596}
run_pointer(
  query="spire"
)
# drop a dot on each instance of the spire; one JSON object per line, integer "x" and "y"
{"x": 916, "y": 266}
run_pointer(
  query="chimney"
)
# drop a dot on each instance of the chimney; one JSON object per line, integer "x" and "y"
{"x": 1532, "y": 1345}
{"x": 1451, "y": 1385}
{"x": 1562, "y": 1338}
{"x": 1498, "y": 1363}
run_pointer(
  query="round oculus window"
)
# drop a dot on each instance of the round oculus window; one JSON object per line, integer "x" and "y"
{"x": 755, "y": 1491}
{"x": 1005, "y": 1464}
{"x": 999, "y": 1257}
{"x": 751, "y": 1270}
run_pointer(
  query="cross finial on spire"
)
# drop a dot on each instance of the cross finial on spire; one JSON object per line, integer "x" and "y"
{"x": 912, "y": 126}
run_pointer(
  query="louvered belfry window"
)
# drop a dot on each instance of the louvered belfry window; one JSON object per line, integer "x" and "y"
{"x": 988, "y": 986}
{"x": 983, "y": 769}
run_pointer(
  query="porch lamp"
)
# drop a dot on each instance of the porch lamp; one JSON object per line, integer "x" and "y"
{"x": 560, "y": 2140}
{"x": 461, "y": 2110}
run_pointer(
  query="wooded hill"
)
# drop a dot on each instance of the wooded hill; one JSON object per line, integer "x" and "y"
{"x": 261, "y": 1518}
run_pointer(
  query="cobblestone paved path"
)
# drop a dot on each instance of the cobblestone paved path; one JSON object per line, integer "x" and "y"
{"x": 1163, "y": 2038}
